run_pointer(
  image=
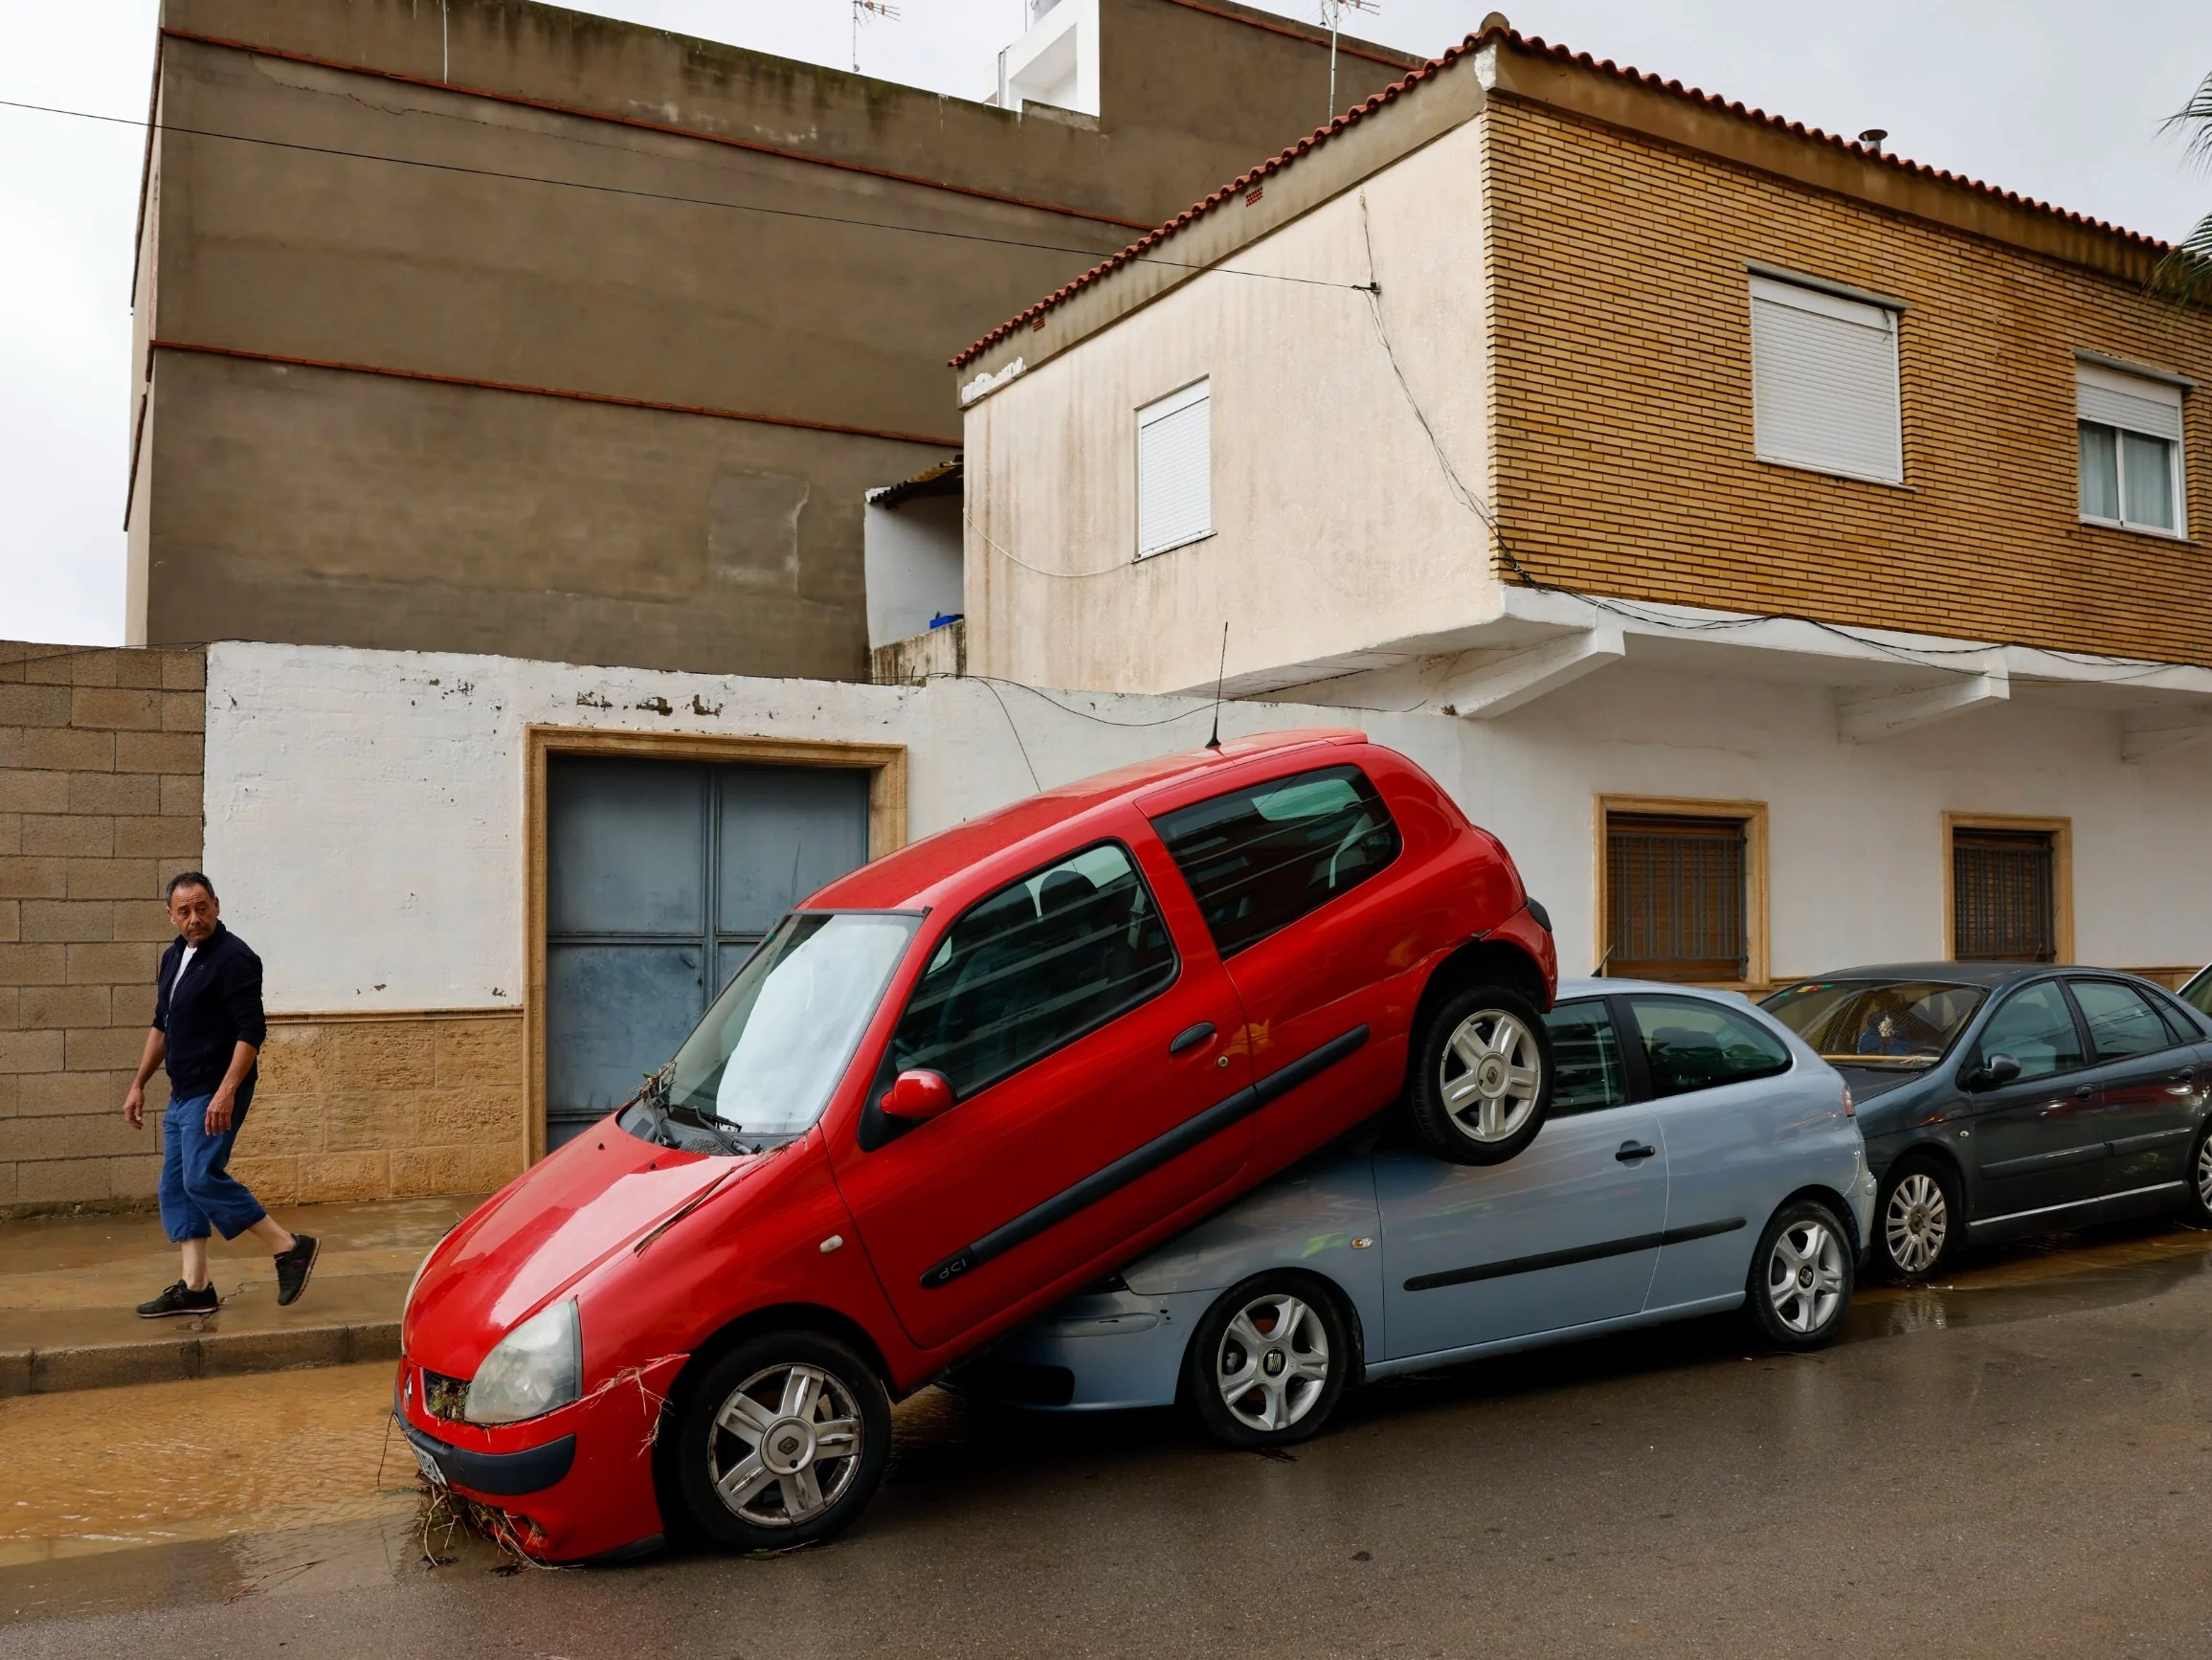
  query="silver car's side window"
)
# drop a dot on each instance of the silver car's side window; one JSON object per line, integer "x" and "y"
{"x": 1692, "y": 1045}
{"x": 1587, "y": 1073}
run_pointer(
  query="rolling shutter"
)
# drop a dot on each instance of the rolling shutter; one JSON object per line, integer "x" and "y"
{"x": 1175, "y": 470}
{"x": 2129, "y": 402}
{"x": 1824, "y": 382}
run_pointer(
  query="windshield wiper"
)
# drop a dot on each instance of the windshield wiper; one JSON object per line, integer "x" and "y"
{"x": 713, "y": 1127}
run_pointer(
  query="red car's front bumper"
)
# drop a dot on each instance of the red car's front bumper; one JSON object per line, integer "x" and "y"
{"x": 572, "y": 1485}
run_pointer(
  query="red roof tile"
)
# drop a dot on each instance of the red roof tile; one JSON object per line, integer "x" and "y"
{"x": 1534, "y": 45}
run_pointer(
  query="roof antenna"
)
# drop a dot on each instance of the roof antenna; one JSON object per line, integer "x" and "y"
{"x": 1219, "y": 679}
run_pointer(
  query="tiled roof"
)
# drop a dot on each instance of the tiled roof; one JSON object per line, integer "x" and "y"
{"x": 1535, "y": 46}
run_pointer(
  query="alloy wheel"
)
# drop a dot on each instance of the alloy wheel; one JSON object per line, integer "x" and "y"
{"x": 1273, "y": 1363}
{"x": 1805, "y": 1276}
{"x": 785, "y": 1446}
{"x": 1491, "y": 1075}
{"x": 2204, "y": 1173}
{"x": 1916, "y": 1222}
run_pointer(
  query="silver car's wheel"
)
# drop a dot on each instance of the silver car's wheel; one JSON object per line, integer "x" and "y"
{"x": 785, "y": 1446}
{"x": 1272, "y": 1363}
{"x": 1805, "y": 1275}
{"x": 1491, "y": 1075}
{"x": 1916, "y": 1222}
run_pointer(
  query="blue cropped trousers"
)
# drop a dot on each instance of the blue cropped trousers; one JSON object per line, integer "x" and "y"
{"x": 197, "y": 1190}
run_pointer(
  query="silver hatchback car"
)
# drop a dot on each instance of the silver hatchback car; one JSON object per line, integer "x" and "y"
{"x": 1698, "y": 1158}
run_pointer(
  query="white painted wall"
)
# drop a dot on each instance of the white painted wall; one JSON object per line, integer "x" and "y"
{"x": 364, "y": 808}
{"x": 910, "y": 561}
{"x": 1335, "y": 529}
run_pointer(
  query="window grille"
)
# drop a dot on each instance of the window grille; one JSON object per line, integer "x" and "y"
{"x": 2003, "y": 896}
{"x": 1674, "y": 898}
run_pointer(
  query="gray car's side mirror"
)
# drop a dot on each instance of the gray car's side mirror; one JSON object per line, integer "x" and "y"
{"x": 1993, "y": 1074}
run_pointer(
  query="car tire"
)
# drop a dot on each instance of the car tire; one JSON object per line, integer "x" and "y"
{"x": 2197, "y": 1208}
{"x": 1801, "y": 1281}
{"x": 806, "y": 1420}
{"x": 1478, "y": 1080}
{"x": 1919, "y": 1223}
{"x": 1268, "y": 1361}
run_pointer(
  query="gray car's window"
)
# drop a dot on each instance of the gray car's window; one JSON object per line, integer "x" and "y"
{"x": 2036, "y": 1028}
{"x": 1692, "y": 1044}
{"x": 1033, "y": 967}
{"x": 2120, "y": 1022}
{"x": 1586, "y": 1068}
{"x": 1259, "y": 858}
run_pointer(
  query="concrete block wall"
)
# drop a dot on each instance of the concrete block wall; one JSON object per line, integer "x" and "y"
{"x": 101, "y": 776}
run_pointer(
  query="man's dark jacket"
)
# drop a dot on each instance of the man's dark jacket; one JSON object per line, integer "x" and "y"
{"x": 217, "y": 1008}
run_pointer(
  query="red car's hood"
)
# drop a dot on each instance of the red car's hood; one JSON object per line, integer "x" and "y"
{"x": 596, "y": 1197}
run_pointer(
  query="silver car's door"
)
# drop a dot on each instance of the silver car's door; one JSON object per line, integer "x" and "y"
{"x": 1744, "y": 1129}
{"x": 1565, "y": 1234}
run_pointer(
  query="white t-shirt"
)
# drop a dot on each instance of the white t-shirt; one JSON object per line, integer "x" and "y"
{"x": 182, "y": 963}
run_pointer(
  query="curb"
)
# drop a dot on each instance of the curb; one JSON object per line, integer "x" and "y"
{"x": 210, "y": 1355}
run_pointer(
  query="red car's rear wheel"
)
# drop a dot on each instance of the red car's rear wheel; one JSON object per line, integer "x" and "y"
{"x": 1479, "y": 1083}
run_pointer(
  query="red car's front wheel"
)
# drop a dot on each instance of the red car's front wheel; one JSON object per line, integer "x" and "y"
{"x": 783, "y": 1442}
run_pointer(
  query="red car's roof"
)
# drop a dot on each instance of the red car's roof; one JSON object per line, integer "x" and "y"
{"x": 906, "y": 879}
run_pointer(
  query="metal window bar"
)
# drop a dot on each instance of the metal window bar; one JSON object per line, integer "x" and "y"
{"x": 1675, "y": 902}
{"x": 2004, "y": 904}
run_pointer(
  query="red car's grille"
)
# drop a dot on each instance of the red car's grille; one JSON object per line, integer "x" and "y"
{"x": 443, "y": 1397}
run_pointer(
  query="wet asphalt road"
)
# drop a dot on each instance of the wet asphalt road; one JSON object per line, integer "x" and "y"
{"x": 2018, "y": 1466}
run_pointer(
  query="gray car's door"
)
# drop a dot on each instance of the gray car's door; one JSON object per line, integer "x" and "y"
{"x": 2147, "y": 1081}
{"x": 1565, "y": 1234}
{"x": 2039, "y": 1141}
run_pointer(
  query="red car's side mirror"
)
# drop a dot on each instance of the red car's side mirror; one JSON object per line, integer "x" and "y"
{"x": 917, "y": 1095}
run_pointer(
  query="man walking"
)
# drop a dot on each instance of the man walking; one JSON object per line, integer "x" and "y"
{"x": 208, "y": 1026}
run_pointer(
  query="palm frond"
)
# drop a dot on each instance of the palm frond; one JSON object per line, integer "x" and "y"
{"x": 2195, "y": 118}
{"x": 2184, "y": 275}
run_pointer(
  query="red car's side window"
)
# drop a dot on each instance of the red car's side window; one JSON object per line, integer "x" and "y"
{"x": 1033, "y": 967}
{"x": 1261, "y": 857}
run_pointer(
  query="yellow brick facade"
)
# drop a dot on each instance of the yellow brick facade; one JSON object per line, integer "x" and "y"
{"x": 1619, "y": 323}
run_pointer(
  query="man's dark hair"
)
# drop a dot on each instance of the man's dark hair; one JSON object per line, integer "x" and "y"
{"x": 190, "y": 879}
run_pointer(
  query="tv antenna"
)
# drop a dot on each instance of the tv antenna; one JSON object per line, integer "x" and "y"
{"x": 1332, "y": 13}
{"x": 882, "y": 9}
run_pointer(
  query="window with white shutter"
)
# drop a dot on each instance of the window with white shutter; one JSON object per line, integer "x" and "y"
{"x": 1175, "y": 470}
{"x": 1824, "y": 382}
{"x": 2130, "y": 449}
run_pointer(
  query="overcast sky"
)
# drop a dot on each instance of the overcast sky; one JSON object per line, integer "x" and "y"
{"x": 2054, "y": 100}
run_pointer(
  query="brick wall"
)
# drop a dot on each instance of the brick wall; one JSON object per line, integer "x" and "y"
{"x": 99, "y": 804}
{"x": 1619, "y": 317}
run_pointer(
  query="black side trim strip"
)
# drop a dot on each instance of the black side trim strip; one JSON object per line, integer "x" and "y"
{"x": 505, "y": 1475}
{"x": 2087, "y": 1152}
{"x": 1616, "y": 1248}
{"x": 1144, "y": 1160}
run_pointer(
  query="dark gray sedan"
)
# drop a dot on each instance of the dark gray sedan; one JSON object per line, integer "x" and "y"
{"x": 2004, "y": 1099}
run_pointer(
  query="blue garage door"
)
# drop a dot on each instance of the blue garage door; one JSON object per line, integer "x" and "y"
{"x": 660, "y": 877}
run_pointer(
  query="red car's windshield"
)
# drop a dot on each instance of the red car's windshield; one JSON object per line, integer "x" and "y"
{"x": 772, "y": 1048}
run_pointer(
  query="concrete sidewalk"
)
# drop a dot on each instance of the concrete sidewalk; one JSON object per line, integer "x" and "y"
{"x": 68, "y": 1287}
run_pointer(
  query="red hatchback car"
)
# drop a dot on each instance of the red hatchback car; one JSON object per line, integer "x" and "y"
{"x": 951, "y": 1088}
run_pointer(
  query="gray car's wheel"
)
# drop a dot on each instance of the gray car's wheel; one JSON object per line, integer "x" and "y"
{"x": 2198, "y": 1207}
{"x": 782, "y": 1441}
{"x": 1801, "y": 1278}
{"x": 1919, "y": 1223}
{"x": 1478, "y": 1080}
{"x": 1268, "y": 1361}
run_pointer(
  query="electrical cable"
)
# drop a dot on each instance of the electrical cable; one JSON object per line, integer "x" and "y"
{"x": 458, "y": 168}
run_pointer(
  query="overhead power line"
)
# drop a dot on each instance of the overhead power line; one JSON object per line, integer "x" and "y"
{"x": 462, "y": 169}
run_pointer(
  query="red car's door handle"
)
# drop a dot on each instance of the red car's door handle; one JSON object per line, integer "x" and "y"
{"x": 1191, "y": 1037}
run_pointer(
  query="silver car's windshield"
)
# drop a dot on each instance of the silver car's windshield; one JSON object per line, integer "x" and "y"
{"x": 763, "y": 1062}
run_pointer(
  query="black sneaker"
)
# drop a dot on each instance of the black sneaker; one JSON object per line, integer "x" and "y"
{"x": 181, "y": 1299}
{"x": 293, "y": 1267}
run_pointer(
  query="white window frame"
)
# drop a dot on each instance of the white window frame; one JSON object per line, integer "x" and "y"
{"x": 2093, "y": 374}
{"x": 1772, "y": 285}
{"x": 1199, "y": 392}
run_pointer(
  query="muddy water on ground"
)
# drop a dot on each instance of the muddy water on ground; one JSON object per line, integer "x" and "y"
{"x": 152, "y": 1463}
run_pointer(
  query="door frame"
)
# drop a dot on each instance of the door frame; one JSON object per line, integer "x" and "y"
{"x": 885, "y": 765}
{"x": 2061, "y": 832}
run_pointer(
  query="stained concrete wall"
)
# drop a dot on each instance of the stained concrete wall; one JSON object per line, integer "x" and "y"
{"x": 324, "y": 505}
{"x": 372, "y": 805}
{"x": 99, "y": 805}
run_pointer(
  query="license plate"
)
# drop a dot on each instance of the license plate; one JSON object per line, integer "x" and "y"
{"x": 430, "y": 1470}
